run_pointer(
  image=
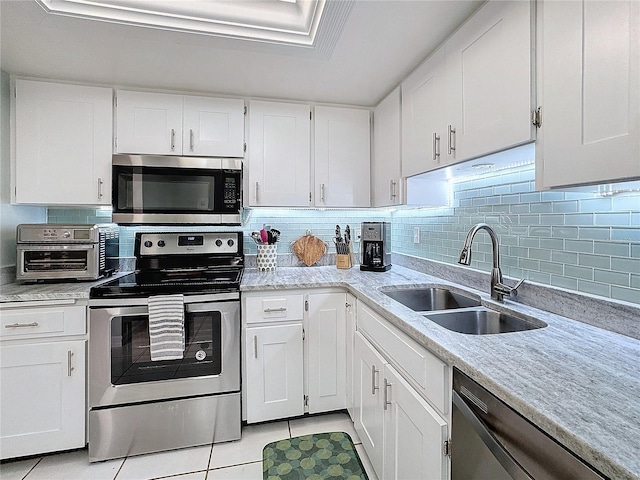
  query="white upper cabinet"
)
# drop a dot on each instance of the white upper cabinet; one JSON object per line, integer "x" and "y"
{"x": 588, "y": 91}
{"x": 385, "y": 159}
{"x": 166, "y": 124}
{"x": 424, "y": 116}
{"x": 342, "y": 157}
{"x": 489, "y": 82}
{"x": 279, "y": 157}
{"x": 473, "y": 95}
{"x": 213, "y": 127}
{"x": 62, "y": 144}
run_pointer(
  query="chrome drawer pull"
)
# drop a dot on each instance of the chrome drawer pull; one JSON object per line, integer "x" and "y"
{"x": 22, "y": 325}
{"x": 271, "y": 310}
{"x": 70, "y": 368}
{"x": 373, "y": 380}
{"x": 386, "y": 393}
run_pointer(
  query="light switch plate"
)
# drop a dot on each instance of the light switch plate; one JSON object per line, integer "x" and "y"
{"x": 416, "y": 234}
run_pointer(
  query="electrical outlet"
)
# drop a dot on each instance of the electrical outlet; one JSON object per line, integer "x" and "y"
{"x": 416, "y": 234}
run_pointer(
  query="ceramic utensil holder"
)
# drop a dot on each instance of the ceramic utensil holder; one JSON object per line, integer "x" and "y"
{"x": 267, "y": 257}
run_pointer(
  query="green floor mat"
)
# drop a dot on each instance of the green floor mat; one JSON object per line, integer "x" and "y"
{"x": 314, "y": 457}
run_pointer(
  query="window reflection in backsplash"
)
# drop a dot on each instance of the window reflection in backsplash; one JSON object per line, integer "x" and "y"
{"x": 578, "y": 241}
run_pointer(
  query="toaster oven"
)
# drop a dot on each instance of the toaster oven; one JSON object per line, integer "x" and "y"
{"x": 66, "y": 252}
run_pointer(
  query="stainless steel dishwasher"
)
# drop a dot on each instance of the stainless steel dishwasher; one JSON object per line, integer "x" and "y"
{"x": 492, "y": 441}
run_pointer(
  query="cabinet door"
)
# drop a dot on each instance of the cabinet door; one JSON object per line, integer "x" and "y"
{"x": 414, "y": 434}
{"x": 351, "y": 332}
{"x": 385, "y": 160}
{"x": 424, "y": 116}
{"x": 489, "y": 80}
{"x": 63, "y": 144}
{"x": 589, "y": 89}
{"x": 369, "y": 413}
{"x": 213, "y": 127}
{"x": 342, "y": 157}
{"x": 279, "y": 165}
{"x": 274, "y": 364}
{"x": 148, "y": 123}
{"x": 42, "y": 392}
{"x": 326, "y": 352}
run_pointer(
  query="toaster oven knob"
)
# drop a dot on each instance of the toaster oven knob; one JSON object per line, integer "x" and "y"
{"x": 218, "y": 243}
{"x": 148, "y": 244}
{"x": 161, "y": 243}
{"x": 230, "y": 242}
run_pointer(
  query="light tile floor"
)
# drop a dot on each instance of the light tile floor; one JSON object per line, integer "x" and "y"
{"x": 241, "y": 460}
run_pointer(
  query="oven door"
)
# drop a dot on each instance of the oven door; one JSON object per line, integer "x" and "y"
{"x": 53, "y": 262}
{"x": 120, "y": 367}
{"x": 176, "y": 190}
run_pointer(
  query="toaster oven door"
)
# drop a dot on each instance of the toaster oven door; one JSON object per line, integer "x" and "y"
{"x": 57, "y": 262}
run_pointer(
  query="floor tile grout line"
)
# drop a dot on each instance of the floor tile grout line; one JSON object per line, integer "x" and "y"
{"x": 234, "y": 465}
{"x": 31, "y": 469}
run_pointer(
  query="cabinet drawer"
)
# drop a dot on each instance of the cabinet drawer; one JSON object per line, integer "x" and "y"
{"x": 34, "y": 322}
{"x": 272, "y": 308}
{"x": 426, "y": 372}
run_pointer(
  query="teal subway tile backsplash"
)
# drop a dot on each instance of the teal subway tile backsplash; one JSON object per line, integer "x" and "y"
{"x": 573, "y": 240}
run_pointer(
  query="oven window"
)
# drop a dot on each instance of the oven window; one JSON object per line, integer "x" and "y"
{"x": 154, "y": 190}
{"x": 131, "y": 358}
{"x": 66, "y": 260}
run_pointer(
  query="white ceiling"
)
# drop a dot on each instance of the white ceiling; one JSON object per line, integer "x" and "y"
{"x": 381, "y": 42}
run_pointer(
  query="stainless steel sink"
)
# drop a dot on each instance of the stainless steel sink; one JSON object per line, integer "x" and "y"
{"x": 427, "y": 299}
{"x": 482, "y": 321}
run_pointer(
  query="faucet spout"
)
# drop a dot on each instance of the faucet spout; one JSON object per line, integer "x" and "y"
{"x": 498, "y": 289}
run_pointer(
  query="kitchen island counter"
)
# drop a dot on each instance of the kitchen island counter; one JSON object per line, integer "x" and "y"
{"x": 578, "y": 383}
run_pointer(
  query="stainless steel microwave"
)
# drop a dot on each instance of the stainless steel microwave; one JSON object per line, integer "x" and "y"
{"x": 161, "y": 190}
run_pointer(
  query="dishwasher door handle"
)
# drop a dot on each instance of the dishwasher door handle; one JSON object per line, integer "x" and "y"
{"x": 499, "y": 452}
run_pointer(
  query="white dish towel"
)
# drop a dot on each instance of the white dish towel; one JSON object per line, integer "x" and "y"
{"x": 166, "y": 327}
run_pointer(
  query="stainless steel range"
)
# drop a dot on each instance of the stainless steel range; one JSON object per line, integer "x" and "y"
{"x": 145, "y": 393}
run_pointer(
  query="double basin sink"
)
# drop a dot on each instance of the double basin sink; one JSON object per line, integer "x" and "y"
{"x": 458, "y": 312}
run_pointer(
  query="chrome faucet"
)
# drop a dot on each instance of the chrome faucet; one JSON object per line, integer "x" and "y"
{"x": 498, "y": 289}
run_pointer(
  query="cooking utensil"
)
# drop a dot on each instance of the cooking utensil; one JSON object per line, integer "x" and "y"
{"x": 256, "y": 237}
{"x": 263, "y": 236}
{"x": 276, "y": 234}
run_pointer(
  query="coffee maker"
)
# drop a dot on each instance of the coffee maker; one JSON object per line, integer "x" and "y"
{"x": 376, "y": 247}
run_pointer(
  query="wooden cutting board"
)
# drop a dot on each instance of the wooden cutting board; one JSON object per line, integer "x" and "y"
{"x": 309, "y": 249}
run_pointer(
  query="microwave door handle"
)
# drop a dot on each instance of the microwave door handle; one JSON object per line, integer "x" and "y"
{"x": 499, "y": 452}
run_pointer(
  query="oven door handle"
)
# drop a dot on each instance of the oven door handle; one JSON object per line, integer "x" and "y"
{"x": 499, "y": 452}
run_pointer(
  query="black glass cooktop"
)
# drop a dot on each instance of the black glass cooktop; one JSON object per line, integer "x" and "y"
{"x": 191, "y": 281}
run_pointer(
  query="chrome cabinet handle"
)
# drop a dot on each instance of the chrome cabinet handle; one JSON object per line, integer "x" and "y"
{"x": 70, "y": 368}
{"x": 322, "y": 192}
{"x": 374, "y": 387}
{"x": 392, "y": 187}
{"x": 386, "y": 393}
{"x": 271, "y": 310}
{"x": 173, "y": 139}
{"x": 191, "y": 139}
{"x": 436, "y": 147}
{"x": 257, "y": 186}
{"x": 21, "y": 325}
{"x": 452, "y": 139}
{"x": 100, "y": 184}
{"x": 255, "y": 346}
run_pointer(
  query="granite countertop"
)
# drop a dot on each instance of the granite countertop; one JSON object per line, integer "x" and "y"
{"x": 578, "y": 383}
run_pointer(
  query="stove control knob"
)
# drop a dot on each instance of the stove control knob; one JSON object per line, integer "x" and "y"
{"x": 148, "y": 244}
{"x": 218, "y": 243}
{"x": 230, "y": 242}
{"x": 161, "y": 243}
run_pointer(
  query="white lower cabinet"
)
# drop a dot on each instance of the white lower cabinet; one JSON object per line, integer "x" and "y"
{"x": 42, "y": 380}
{"x": 414, "y": 433}
{"x": 369, "y": 409}
{"x": 274, "y": 381}
{"x": 403, "y": 427}
{"x": 351, "y": 333}
{"x": 294, "y": 354}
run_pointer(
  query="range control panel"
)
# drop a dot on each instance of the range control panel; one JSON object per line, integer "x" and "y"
{"x": 184, "y": 243}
